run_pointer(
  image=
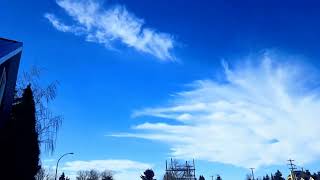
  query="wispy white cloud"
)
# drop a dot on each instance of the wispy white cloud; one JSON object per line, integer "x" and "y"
{"x": 57, "y": 24}
{"x": 262, "y": 114}
{"x": 115, "y": 23}
{"x": 122, "y": 169}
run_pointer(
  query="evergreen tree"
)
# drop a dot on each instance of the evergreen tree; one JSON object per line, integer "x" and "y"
{"x": 30, "y": 124}
{"x": 278, "y": 176}
{"x": 62, "y": 177}
{"x": 267, "y": 177}
{"x": 218, "y": 178}
{"x": 314, "y": 176}
{"x": 25, "y": 139}
{"x": 201, "y": 177}
{"x": 148, "y": 175}
{"x": 308, "y": 173}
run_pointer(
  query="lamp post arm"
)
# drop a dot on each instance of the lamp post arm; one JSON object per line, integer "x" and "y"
{"x": 58, "y": 164}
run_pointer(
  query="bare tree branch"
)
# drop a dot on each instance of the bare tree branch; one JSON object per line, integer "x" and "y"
{"x": 48, "y": 123}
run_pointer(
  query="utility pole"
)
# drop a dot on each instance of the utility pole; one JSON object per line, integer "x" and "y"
{"x": 211, "y": 177}
{"x": 292, "y": 168}
{"x": 252, "y": 173}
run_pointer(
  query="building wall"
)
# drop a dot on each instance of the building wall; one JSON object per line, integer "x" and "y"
{"x": 10, "y": 68}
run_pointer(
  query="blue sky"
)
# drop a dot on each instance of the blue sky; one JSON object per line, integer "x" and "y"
{"x": 224, "y": 82}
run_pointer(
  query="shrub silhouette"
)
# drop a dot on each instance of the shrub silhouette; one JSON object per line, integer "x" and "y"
{"x": 148, "y": 175}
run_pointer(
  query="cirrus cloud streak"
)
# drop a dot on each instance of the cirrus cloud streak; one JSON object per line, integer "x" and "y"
{"x": 112, "y": 24}
{"x": 262, "y": 114}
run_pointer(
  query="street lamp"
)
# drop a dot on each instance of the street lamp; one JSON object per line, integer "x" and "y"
{"x": 58, "y": 163}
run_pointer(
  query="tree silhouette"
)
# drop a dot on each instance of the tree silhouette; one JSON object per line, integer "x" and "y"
{"x": 62, "y": 177}
{"x": 106, "y": 175}
{"x": 25, "y": 137}
{"x": 266, "y": 177}
{"x": 218, "y": 177}
{"x": 47, "y": 123}
{"x": 308, "y": 173}
{"x": 316, "y": 176}
{"x": 42, "y": 174}
{"x": 93, "y": 175}
{"x": 82, "y": 175}
{"x": 272, "y": 177}
{"x": 148, "y": 175}
{"x": 31, "y": 124}
{"x": 278, "y": 176}
{"x": 201, "y": 177}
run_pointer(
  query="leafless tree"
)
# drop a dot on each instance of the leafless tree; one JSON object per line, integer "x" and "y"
{"x": 43, "y": 174}
{"x": 83, "y": 175}
{"x": 48, "y": 123}
{"x": 93, "y": 175}
{"x": 106, "y": 175}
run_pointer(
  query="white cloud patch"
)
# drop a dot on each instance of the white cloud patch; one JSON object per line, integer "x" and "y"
{"x": 48, "y": 160}
{"x": 57, "y": 24}
{"x": 122, "y": 169}
{"x": 263, "y": 114}
{"x": 115, "y": 23}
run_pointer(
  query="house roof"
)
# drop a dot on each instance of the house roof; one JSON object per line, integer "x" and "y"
{"x": 9, "y": 48}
